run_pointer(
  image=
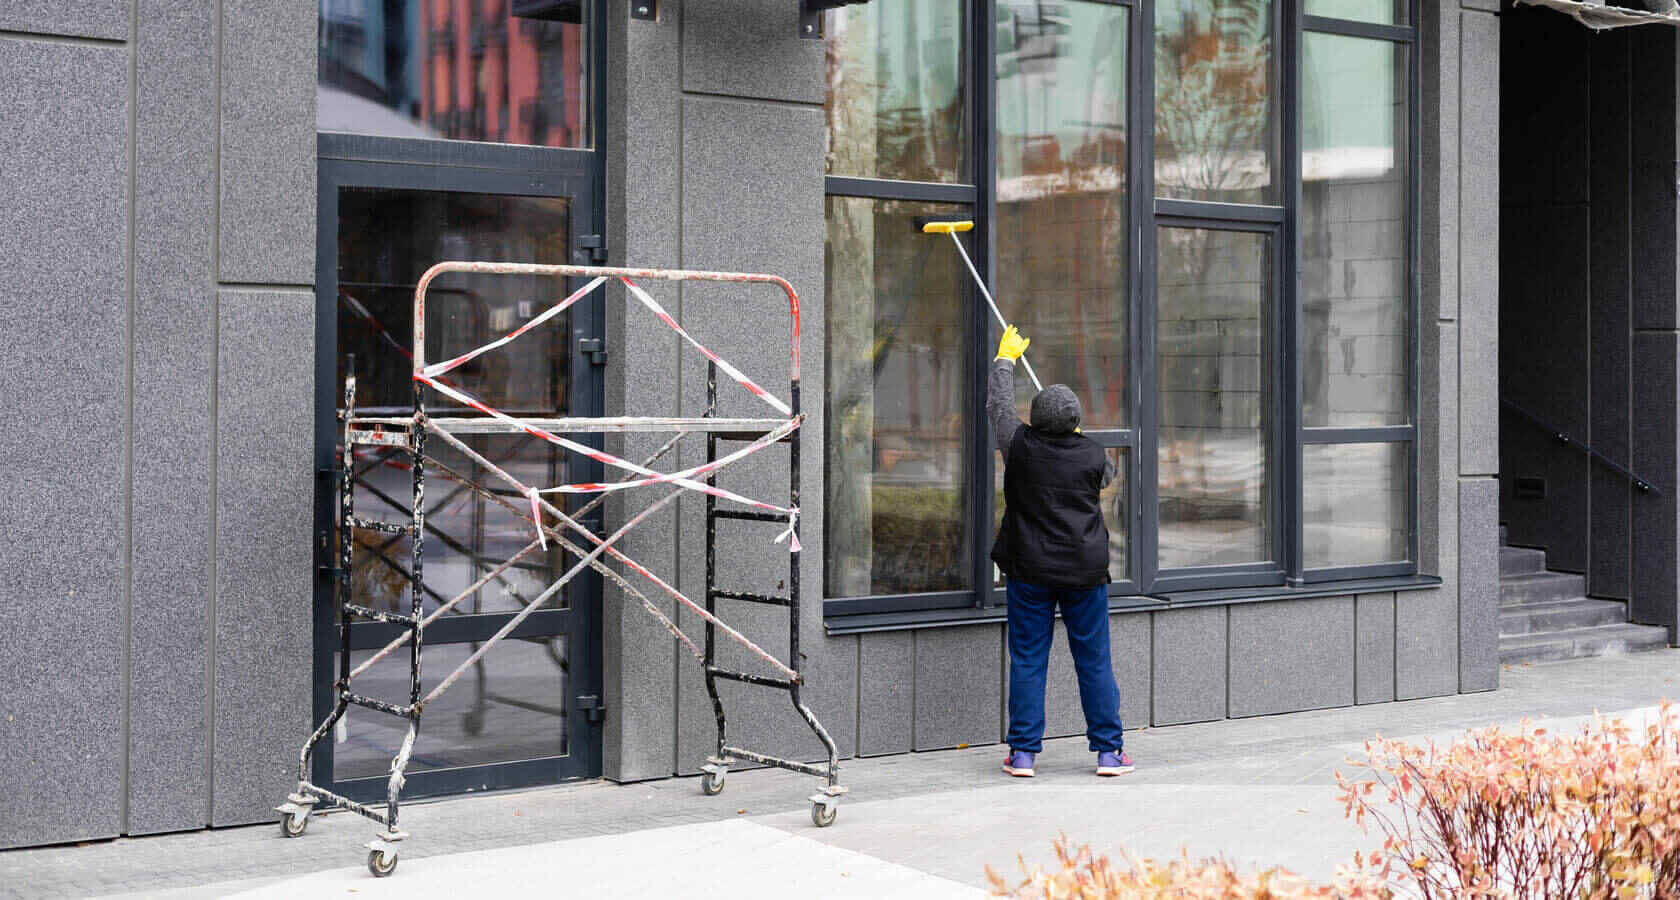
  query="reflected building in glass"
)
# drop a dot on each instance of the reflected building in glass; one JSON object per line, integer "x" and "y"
{"x": 502, "y": 71}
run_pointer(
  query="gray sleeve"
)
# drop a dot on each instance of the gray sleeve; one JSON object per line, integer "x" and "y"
{"x": 1108, "y": 470}
{"x": 1000, "y": 403}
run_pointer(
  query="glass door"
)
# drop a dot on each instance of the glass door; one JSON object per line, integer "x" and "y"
{"x": 524, "y": 713}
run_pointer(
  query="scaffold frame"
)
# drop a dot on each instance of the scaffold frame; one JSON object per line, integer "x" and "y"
{"x": 412, "y": 432}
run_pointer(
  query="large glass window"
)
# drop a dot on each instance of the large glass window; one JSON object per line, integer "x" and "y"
{"x": 896, "y": 106}
{"x": 1211, "y": 244}
{"x": 517, "y": 707}
{"x": 504, "y": 71}
{"x": 1213, "y": 291}
{"x": 1062, "y": 217}
{"x": 1215, "y": 111}
{"x": 1355, "y": 299}
{"x": 898, "y": 519}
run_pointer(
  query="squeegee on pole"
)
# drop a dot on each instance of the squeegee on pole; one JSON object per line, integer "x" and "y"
{"x": 931, "y": 225}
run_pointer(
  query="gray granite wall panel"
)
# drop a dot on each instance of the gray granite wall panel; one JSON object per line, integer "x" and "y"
{"x": 886, "y": 692}
{"x": 1291, "y": 655}
{"x": 267, "y": 225}
{"x": 1373, "y": 654}
{"x": 1547, "y": 280}
{"x": 959, "y": 686}
{"x": 1188, "y": 650}
{"x": 1130, "y": 636}
{"x": 640, "y": 660}
{"x": 1438, "y": 115}
{"x": 1438, "y": 449}
{"x": 750, "y": 48}
{"x": 64, "y": 173}
{"x": 1656, "y": 519}
{"x": 105, "y": 19}
{"x": 173, "y": 331}
{"x": 1478, "y": 585}
{"x": 264, "y": 562}
{"x": 1656, "y": 207}
{"x": 1426, "y": 643}
{"x": 1479, "y": 276}
{"x": 1610, "y": 539}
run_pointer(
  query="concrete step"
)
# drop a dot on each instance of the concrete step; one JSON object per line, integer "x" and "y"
{"x": 1574, "y": 643}
{"x": 1540, "y": 587}
{"x": 1521, "y": 561}
{"x": 1535, "y": 618}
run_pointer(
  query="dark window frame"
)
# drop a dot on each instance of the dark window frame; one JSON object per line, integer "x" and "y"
{"x": 1147, "y": 213}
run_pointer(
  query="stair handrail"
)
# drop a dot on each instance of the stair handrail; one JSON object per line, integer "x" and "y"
{"x": 1644, "y": 486}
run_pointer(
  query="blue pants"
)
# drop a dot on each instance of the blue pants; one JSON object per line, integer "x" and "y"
{"x": 1032, "y": 620}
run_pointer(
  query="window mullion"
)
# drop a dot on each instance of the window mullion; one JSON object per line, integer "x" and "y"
{"x": 1289, "y": 405}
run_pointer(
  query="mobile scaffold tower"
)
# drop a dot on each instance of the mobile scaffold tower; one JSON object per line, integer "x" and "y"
{"x": 471, "y": 416}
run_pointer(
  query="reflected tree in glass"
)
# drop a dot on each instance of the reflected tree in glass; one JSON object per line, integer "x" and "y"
{"x": 896, "y": 517}
{"x": 1215, "y": 132}
{"x": 896, "y": 102}
{"x": 1063, "y": 245}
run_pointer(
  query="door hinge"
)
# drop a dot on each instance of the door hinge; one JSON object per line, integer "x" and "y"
{"x": 595, "y": 349}
{"x": 593, "y": 707}
{"x": 596, "y": 245}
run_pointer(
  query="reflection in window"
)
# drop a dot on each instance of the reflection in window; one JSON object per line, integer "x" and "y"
{"x": 897, "y": 519}
{"x": 459, "y": 69}
{"x": 1214, "y": 295}
{"x": 509, "y": 707}
{"x": 1357, "y": 503}
{"x": 1061, "y": 202}
{"x": 386, "y": 239}
{"x": 896, "y": 101}
{"x": 1215, "y": 119}
{"x": 1355, "y": 359}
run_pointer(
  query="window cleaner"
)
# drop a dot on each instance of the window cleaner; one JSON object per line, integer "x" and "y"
{"x": 1052, "y": 548}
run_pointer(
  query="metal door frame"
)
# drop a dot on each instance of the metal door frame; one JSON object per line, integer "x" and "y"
{"x": 459, "y": 167}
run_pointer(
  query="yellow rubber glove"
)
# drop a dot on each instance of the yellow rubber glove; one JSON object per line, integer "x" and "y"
{"x": 1012, "y": 345}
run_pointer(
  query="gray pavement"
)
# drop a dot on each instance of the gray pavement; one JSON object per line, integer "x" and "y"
{"x": 1261, "y": 791}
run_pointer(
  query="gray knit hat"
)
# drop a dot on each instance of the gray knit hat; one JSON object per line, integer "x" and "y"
{"x": 1056, "y": 410}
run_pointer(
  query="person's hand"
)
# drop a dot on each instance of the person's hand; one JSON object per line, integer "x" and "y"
{"x": 1012, "y": 345}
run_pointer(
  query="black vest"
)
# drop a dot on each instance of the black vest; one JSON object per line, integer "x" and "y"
{"x": 1053, "y": 532}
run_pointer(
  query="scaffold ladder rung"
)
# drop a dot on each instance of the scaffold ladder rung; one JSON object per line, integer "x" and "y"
{"x": 749, "y": 678}
{"x": 376, "y": 525}
{"x": 406, "y": 712}
{"x": 766, "y": 599}
{"x": 747, "y": 515}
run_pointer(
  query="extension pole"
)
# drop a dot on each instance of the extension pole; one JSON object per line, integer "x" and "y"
{"x": 951, "y": 228}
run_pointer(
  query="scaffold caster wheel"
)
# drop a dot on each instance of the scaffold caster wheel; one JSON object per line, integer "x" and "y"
{"x": 382, "y": 862}
{"x": 294, "y": 824}
{"x": 711, "y": 783}
{"x": 822, "y": 814}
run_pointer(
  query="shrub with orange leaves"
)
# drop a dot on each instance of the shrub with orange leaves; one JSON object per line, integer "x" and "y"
{"x": 1529, "y": 814}
{"x": 1080, "y": 874}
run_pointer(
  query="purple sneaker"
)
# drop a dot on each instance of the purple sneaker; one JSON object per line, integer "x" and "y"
{"x": 1019, "y": 763}
{"x": 1111, "y": 763}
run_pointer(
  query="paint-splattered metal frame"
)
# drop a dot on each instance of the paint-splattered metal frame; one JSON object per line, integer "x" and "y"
{"x": 412, "y": 432}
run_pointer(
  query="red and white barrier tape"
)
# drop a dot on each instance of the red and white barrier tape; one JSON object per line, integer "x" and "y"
{"x": 607, "y": 458}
